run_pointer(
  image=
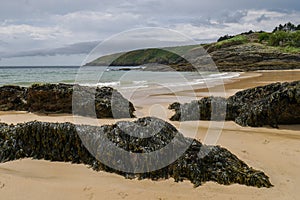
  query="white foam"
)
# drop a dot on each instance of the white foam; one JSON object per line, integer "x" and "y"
{"x": 206, "y": 81}
{"x": 105, "y": 84}
{"x": 139, "y": 82}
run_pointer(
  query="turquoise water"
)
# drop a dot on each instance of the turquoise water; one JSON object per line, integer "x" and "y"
{"x": 101, "y": 76}
{"x": 25, "y": 76}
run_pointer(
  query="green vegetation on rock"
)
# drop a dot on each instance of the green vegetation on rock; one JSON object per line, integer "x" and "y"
{"x": 167, "y": 55}
{"x": 139, "y": 57}
{"x": 239, "y": 39}
{"x": 281, "y": 38}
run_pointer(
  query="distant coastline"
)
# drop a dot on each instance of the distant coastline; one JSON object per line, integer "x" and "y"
{"x": 248, "y": 51}
{"x": 28, "y": 66}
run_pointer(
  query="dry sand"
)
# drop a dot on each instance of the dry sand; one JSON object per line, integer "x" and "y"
{"x": 275, "y": 151}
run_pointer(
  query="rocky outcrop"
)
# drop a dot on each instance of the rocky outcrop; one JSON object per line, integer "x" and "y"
{"x": 274, "y": 104}
{"x": 253, "y": 56}
{"x": 104, "y": 102}
{"x": 78, "y": 144}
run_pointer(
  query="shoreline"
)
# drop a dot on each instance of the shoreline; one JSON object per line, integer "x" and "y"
{"x": 275, "y": 151}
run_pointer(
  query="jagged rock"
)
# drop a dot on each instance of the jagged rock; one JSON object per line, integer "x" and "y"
{"x": 104, "y": 102}
{"x": 62, "y": 142}
{"x": 274, "y": 104}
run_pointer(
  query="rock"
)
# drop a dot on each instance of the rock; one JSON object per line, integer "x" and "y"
{"x": 273, "y": 104}
{"x": 251, "y": 57}
{"x": 102, "y": 102}
{"x": 50, "y": 98}
{"x": 203, "y": 109}
{"x": 62, "y": 142}
{"x": 110, "y": 103}
{"x": 13, "y": 98}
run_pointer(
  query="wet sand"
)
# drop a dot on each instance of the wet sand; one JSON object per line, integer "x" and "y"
{"x": 275, "y": 151}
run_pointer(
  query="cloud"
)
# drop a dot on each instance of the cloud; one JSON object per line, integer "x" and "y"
{"x": 34, "y": 27}
{"x": 238, "y": 22}
{"x": 233, "y": 17}
{"x": 263, "y": 17}
{"x": 76, "y": 27}
{"x": 77, "y": 48}
{"x": 93, "y": 25}
{"x": 32, "y": 32}
{"x": 65, "y": 29}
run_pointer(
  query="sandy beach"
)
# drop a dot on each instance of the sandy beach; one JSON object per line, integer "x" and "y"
{"x": 274, "y": 151}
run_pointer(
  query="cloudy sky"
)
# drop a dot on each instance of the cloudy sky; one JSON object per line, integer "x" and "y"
{"x": 63, "y": 32}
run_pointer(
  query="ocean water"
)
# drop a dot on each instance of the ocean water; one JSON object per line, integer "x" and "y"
{"x": 103, "y": 76}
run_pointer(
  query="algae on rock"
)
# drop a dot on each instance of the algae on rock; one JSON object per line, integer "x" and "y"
{"x": 83, "y": 144}
{"x": 273, "y": 104}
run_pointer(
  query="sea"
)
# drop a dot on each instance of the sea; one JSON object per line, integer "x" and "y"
{"x": 116, "y": 77}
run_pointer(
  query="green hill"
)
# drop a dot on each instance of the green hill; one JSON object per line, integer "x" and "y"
{"x": 167, "y": 56}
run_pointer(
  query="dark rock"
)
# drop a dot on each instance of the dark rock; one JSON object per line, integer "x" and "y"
{"x": 62, "y": 142}
{"x": 13, "y": 98}
{"x": 203, "y": 109}
{"x": 273, "y": 104}
{"x": 110, "y": 103}
{"x": 251, "y": 57}
{"x": 50, "y": 98}
{"x": 102, "y": 102}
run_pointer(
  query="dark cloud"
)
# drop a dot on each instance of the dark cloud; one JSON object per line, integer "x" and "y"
{"x": 262, "y": 18}
{"x": 77, "y": 48}
{"x": 29, "y": 9}
{"x": 233, "y": 17}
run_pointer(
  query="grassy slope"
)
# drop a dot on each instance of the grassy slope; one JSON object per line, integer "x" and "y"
{"x": 167, "y": 55}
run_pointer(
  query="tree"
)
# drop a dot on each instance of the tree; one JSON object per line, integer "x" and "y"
{"x": 286, "y": 27}
{"x": 289, "y": 27}
{"x": 280, "y": 28}
{"x": 225, "y": 37}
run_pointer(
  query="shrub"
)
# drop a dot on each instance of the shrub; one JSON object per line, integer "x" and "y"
{"x": 264, "y": 36}
{"x": 283, "y": 38}
{"x": 279, "y": 38}
{"x": 295, "y": 39}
